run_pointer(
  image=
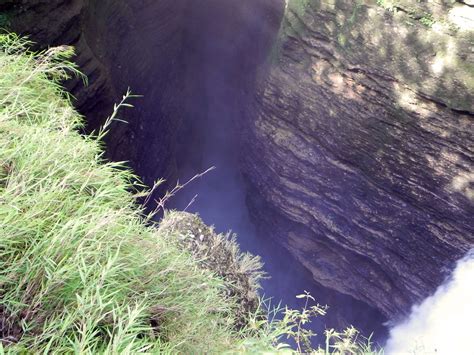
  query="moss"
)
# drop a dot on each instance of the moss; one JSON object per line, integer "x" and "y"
{"x": 413, "y": 11}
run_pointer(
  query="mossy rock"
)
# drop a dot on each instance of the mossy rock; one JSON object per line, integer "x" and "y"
{"x": 219, "y": 253}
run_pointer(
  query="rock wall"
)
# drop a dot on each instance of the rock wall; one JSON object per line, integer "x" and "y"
{"x": 359, "y": 149}
{"x": 119, "y": 44}
{"x": 59, "y": 22}
{"x": 141, "y": 44}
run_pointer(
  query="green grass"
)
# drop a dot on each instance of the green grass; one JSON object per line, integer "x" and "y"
{"x": 79, "y": 268}
{"x": 82, "y": 268}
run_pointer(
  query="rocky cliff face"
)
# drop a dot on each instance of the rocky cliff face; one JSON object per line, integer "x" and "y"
{"x": 141, "y": 44}
{"x": 359, "y": 145}
{"x": 59, "y": 22}
{"x": 119, "y": 44}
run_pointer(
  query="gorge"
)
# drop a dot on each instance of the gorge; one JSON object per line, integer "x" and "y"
{"x": 341, "y": 132}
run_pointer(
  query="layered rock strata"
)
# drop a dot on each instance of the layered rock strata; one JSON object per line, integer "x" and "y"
{"x": 359, "y": 147}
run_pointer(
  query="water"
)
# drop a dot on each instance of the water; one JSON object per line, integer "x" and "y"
{"x": 442, "y": 323}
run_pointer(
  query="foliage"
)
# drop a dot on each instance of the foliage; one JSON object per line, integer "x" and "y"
{"x": 221, "y": 254}
{"x": 290, "y": 324}
{"x": 428, "y": 20}
{"x": 425, "y": 18}
{"x": 297, "y": 319}
{"x": 83, "y": 270}
{"x": 79, "y": 269}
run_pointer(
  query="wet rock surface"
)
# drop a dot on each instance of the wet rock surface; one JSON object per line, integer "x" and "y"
{"x": 358, "y": 147}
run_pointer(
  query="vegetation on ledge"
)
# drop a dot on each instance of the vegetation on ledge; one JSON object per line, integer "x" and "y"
{"x": 79, "y": 268}
{"x": 82, "y": 268}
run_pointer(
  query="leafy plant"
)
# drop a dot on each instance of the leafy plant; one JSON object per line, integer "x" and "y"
{"x": 428, "y": 20}
{"x": 345, "y": 342}
{"x": 297, "y": 319}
